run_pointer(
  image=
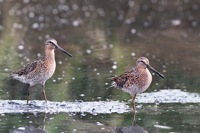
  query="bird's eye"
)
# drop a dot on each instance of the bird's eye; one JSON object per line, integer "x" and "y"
{"x": 143, "y": 62}
{"x": 50, "y": 42}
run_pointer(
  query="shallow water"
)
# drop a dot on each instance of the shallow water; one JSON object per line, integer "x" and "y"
{"x": 105, "y": 39}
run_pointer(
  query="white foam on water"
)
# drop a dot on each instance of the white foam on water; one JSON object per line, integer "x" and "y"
{"x": 162, "y": 127}
{"x": 18, "y": 106}
{"x": 169, "y": 96}
{"x": 97, "y": 107}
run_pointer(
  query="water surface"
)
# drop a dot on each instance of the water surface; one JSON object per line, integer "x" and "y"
{"x": 105, "y": 39}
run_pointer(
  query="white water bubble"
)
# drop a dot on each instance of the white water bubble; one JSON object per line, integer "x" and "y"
{"x": 75, "y": 7}
{"x": 88, "y": 51}
{"x": 114, "y": 67}
{"x": 35, "y": 25}
{"x": 26, "y": 1}
{"x": 55, "y": 11}
{"x": 83, "y": 114}
{"x": 75, "y": 23}
{"x": 39, "y": 54}
{"x": 131, "y": 3}
{"x": 111, "y": 45}
{"x": 176, "y": 22}
{"x": 27, "y": 59}
{"x": 162, "y": 126}
{"x": 194, "y": 23}
{"x": 21, "y": 128}
{"x": 82, "y": 95}
{"x": 99, "y": 124}
{"x": 20, "y": 47}
{"x": 114, "y": 62}
{"x": 133, "y": 31}
{"x": 1, "y": 27}
{"x": 74, "y": 130}
{"x": 17, "y": 26}
{"x": 20, "y": 55}
{"x": 60, "y": 62}
{"x": 60, "y": 78}
{"x": 133, "y": 54}
{"x": 87, "y": 14}
{"x": 99, "y": 98}
{"x": 31, "y": 15}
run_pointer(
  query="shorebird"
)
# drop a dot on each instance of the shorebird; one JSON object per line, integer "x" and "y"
{"x": 136, "y": 80}
{"x": 39, "y": 71}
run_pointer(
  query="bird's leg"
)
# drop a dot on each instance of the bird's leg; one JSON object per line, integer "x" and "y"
{"x": 45, "y": 116}
{"x": 43, "y": 89}
{"x": 134, "y": 121}
{"x": 133, "y": 100}
{"x": 28, "y": 94}
{"x": 134, "y": 109}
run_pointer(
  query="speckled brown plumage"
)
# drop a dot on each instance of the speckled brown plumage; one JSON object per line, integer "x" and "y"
{"x": 26, "y": 69}
{"x": 137, "y": 79}
{"x": 126, "y": 78}
{"x": 39, "y": 71}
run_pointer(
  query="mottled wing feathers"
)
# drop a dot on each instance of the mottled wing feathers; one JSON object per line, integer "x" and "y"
{"x": 126, "y": 78}
{"x": 26, "y": 69}
{"x": 120, "y": 80}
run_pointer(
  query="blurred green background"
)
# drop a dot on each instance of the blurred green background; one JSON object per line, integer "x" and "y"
{"x": 105, "y": 38}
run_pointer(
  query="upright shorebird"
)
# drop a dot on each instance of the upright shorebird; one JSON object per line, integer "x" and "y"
{"x": 136, "y": 80}
{"x": 39, "y": 71}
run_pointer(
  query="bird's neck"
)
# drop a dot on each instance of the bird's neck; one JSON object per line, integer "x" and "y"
{"x": 49, "y": 53}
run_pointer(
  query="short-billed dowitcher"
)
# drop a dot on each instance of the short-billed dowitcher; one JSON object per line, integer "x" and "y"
{"x": 136, "y": 80}
{"x": 39, "y": 71}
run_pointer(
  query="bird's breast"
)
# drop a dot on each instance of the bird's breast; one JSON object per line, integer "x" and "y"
{"x": 51, "y": 66}
{"x": 146, "y": 79}
{"x": 45, "y": 71}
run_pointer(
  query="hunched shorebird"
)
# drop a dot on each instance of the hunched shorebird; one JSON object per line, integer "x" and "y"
{"x": 39, "y": 71}
{"x": 136, "y": 80}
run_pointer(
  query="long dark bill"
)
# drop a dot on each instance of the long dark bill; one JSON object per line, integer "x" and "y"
{"x": 61, "y": 49}
{"x": 154, "y": 70}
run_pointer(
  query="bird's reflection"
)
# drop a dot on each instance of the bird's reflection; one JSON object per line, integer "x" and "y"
{"x": 30, "y": 129}
{"x": 134, "y": 121}
{"x": 130, "y": 129}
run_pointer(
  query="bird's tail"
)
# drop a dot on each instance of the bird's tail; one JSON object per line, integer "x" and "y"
{"x": 113, "y": 78}
{"x": 113, "y": 83}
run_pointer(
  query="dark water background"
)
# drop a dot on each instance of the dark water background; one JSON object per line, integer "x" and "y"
{"x": 105, "y": 38}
